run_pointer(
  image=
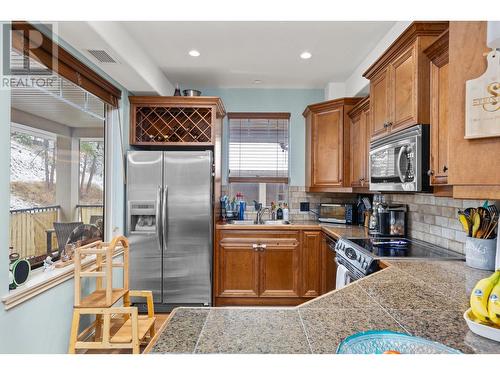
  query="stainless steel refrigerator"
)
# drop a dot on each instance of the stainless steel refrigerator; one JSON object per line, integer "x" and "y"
{"x": 169, "y": 225}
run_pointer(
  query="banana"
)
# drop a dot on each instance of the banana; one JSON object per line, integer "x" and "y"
{"x": 480, "y": 295}
{"x": 494, "y": 304}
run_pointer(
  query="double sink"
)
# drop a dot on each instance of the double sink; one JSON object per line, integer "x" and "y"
{"x": 265, "y": 222}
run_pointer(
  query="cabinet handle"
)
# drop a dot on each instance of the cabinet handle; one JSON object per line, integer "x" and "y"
{"x": 445, "y": 168}
{"x": 386, "y": 125}
{"x": 389, "y": 124}
{"x": 430, "y": 172}
{"x": 263, "y": 247}
{"x": 255, "y": 247}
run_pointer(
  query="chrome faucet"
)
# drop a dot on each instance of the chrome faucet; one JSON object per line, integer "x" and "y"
{"x": 260, "y": 211}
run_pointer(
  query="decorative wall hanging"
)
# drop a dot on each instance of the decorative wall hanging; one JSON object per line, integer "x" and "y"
{"x": 482, "y": 101}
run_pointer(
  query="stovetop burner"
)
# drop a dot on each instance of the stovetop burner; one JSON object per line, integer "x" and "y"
{"x": 390, "y": 247}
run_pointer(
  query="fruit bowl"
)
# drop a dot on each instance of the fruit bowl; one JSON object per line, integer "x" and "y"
{"x": 382, "y": 342}
{"x": 480, "y": 328}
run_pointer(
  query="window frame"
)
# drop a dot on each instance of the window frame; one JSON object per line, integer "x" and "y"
{"x": 258, "y": 116}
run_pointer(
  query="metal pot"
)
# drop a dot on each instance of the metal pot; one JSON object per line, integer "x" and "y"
{"x": 191, "y": 92}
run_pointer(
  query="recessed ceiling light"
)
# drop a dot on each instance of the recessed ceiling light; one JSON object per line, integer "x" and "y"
{"x": 305, "y": 55}
{"x": 257, "y": 81}
{"x": 194, "y": 53}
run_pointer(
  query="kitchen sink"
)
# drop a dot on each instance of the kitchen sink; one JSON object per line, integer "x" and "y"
{"x": 242, "y": 222}
{"x": 266, "y": 222}
{"x": 276, "y": 222}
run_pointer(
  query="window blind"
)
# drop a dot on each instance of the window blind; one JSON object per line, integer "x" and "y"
{"x": 258, "y": 147}
{"x": 25, "y": 40}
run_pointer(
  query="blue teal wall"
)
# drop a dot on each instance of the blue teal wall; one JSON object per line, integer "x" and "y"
{"x": 273, "y": 100}
{"x": 42, "y": 324}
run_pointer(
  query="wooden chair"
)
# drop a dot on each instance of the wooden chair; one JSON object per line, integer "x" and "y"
{"x": 131, "y": 328}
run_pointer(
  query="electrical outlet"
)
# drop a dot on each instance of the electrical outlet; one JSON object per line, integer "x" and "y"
{"x": 304, "y": 206}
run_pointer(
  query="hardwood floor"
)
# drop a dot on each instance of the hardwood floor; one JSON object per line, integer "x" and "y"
{"x": 160, "y": 320}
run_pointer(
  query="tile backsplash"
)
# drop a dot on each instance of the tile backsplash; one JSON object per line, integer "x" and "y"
{"x": 434, "y": 219}
{"x": 297, "y": 194}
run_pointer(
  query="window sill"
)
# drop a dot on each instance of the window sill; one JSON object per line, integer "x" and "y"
{"x": 41, "y": 281}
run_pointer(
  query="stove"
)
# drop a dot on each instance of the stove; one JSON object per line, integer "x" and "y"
{"x": 391, "y": 247}
{"x": 360, "y": 255}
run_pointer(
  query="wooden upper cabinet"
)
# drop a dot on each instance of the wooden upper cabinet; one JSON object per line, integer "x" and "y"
{"x": 403, "y": 95}
{"x": 327, "y": 145}
{"x": 438, "y": 55}
{"x": 175, "y": 120}
{"x": 360, "y": 143}
{"x": 327, "y": 137}
{"x": 379, "y": 104}
{"x": 473, "y": 163}
{"x": 399, "y": 80}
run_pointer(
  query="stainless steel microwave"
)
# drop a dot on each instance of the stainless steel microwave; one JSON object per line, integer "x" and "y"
{"x": 400, "y": 161}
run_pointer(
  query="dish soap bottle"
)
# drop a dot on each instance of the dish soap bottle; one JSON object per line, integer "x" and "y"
{"x": 286, "y": 216}
{"x": 273, "y": 211}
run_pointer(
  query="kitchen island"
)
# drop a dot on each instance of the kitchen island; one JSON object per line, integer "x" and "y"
{"x": 422, "y": 298}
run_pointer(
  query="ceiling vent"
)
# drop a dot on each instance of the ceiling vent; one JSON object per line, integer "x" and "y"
{"x": 102, "y": 56}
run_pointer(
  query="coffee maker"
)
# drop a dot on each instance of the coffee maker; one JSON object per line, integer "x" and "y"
{"x": 391, "y": 220}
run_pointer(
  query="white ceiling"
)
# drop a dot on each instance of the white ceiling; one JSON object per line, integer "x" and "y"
{"x": 234, "y": 54}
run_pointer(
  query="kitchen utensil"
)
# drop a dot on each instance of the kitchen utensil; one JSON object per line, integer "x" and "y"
{"x": 466, "y": 223}
{"x": 469, "y": 212}
{"x": 482, "y": 329}
{"x": 476, "y": 223}
{"x": 492, "y": 210}
{"x": 485, "y": 221}
{"x": 191, "y": 92}
{"x": 379, "y": 342}
{"x": 491, "y": 227}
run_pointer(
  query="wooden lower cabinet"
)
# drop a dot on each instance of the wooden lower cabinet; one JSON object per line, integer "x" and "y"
{"x": 264, "y": 267}
{"x": 238, "y": 269}
{"x": 311, "y": 265}
{"x": 278, "y": 267}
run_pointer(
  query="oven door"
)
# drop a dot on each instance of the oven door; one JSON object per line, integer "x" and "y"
{"x": 396, "y": 166}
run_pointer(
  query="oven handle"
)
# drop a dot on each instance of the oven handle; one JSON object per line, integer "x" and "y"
{"x": 398, "y": 164}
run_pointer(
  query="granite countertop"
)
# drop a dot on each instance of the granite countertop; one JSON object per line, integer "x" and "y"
{"x": 421, "y": 298}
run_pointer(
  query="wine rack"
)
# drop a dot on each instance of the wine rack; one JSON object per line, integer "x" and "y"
{"x": 176, "y": 121}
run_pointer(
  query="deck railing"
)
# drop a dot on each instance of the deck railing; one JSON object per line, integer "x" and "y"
{"x": 87, "y": 211}
{"x": 28, "y": 229}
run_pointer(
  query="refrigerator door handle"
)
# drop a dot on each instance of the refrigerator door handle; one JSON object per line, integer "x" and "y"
{"x": 158, "y": 216}
{"x": 164, "y": 216}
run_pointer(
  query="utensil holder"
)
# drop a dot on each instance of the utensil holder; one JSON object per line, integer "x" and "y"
{"x": 480, "y": 253}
